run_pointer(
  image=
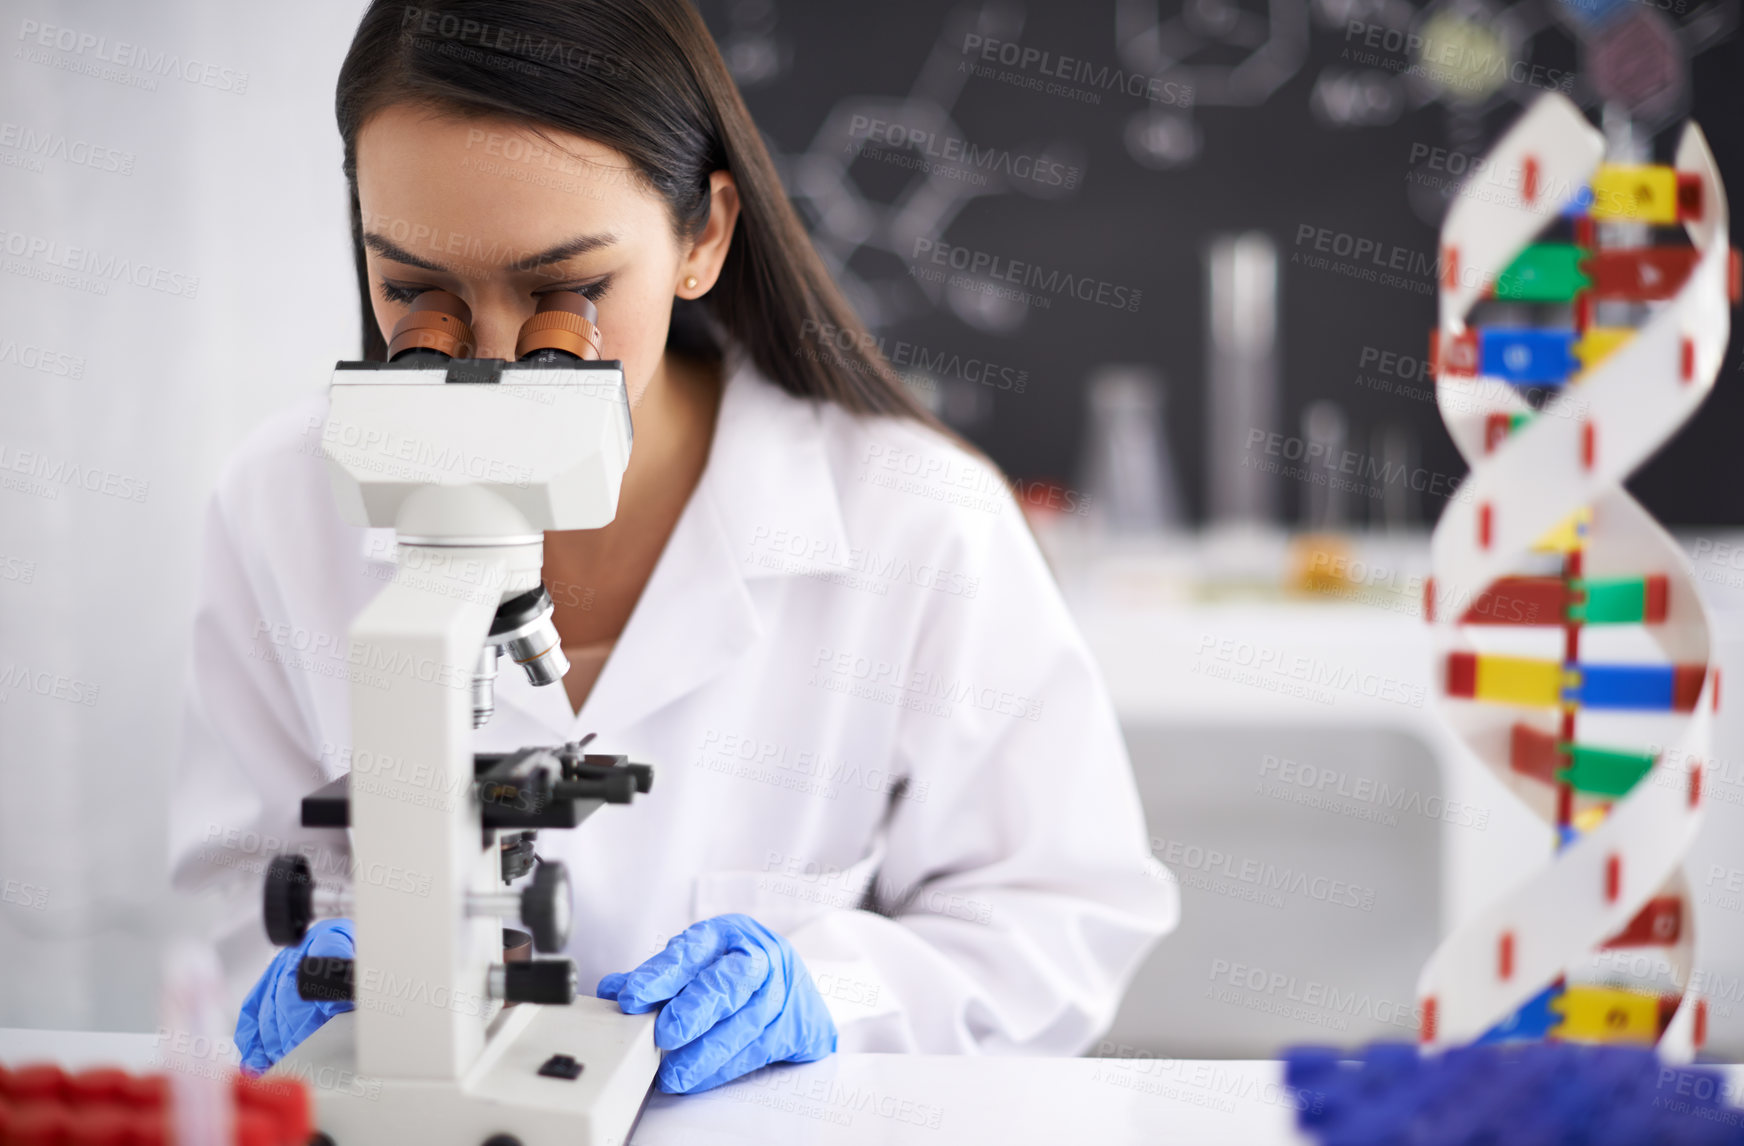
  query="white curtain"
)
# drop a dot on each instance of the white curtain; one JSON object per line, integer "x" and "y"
{"x": 174, "y": 265}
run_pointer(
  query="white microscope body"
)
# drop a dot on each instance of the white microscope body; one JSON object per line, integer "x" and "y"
{"x": 469, "y": 461}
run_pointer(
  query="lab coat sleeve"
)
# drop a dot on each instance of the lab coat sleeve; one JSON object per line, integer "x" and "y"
{"x": 1018, "y": 879}
{"x": 248, "y": 752}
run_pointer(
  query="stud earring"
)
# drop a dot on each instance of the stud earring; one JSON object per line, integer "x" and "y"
{"x": 689, "y": 282}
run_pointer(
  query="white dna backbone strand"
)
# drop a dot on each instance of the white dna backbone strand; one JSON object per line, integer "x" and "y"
{"x": 1544, "y": 567}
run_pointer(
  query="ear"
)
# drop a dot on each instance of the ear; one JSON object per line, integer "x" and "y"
{"x": 706, "y": 256}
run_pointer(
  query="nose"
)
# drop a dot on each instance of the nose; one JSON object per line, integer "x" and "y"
{"x": 496, "y": 335}
{"x": 496, "y": 319}
{"x": 499, "y": 314}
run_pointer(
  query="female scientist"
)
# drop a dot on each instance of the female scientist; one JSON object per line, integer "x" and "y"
{"x": 894, "y": 811}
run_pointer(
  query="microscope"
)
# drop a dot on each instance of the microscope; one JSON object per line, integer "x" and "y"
{"x": 458, "y": 1035}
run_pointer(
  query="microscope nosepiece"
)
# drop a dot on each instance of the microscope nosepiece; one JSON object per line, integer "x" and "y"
{"x": 524, "y": 629}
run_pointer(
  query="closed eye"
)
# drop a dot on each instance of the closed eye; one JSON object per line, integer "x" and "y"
{"x": 391, "y": 292}
{"x": 402, "y": 295}
{"x": 592, "y": 292}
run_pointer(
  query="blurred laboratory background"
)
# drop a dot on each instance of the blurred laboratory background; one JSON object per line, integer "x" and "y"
{"x": 1142, "y": 298}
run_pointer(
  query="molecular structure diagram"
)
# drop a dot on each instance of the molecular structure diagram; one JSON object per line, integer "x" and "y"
{"x": 869, "y": 242}
{"x": 1227, "y": 54}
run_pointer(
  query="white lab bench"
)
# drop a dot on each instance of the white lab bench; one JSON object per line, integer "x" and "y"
{"x": 897, "y": 1099}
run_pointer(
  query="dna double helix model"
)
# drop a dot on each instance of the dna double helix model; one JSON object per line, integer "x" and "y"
{"x": 1584, "y": 314}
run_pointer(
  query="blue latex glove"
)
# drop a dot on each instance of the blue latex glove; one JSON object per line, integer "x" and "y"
{"x": 274, "y": 1017}
{"x": 739, "y": 999}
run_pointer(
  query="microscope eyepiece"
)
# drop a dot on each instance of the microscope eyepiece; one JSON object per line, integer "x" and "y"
{"x": 439, "y": 322}
{"x": 565, "y": 326}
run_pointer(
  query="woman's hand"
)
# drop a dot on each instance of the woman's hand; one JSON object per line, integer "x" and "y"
{"x": 737, "y": 998}
{"x": 274, "y": 1017}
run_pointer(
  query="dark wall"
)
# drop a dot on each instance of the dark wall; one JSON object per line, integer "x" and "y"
{"x": 1276, "y": 165}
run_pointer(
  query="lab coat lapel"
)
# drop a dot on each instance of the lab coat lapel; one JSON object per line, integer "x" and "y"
{"x": 767, "y": 470}
{"x": 694, "y": 618}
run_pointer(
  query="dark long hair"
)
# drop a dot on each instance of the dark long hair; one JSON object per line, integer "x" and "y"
{"x": 643, "y": 77}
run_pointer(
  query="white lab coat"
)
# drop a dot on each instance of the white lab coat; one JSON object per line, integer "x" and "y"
{"x": 850, "y": 664}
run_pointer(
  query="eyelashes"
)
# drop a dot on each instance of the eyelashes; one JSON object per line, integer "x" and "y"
{"x": 393, "y": 293}
{"x": 398, "y": 294}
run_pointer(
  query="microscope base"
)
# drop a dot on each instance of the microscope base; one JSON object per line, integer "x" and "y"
{"x": 503, "y": 1094}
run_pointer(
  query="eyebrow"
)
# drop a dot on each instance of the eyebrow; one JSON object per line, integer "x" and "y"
{"x": 580, "y": 245}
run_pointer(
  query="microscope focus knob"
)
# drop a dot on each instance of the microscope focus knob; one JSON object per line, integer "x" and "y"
{"x": 290, "y": 899}
{"x": 546, "y": 907}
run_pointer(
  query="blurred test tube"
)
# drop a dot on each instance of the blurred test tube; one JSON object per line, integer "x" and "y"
{"x": 1241, "y": 377}
{"x": 1128, "y": 468}
{"x": 1324, "y": 430}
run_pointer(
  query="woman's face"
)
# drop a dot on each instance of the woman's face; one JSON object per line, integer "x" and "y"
{"x": 488, "y": 210}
